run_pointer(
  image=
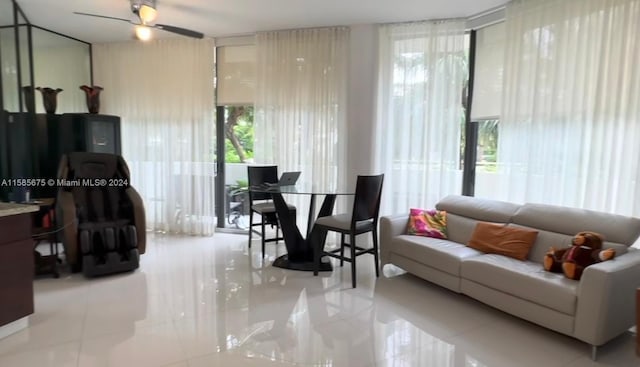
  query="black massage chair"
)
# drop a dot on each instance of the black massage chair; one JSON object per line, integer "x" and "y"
{"x": 103, "y": 216}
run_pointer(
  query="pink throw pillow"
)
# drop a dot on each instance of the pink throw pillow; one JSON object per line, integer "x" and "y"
{"x": 428, "y": 223}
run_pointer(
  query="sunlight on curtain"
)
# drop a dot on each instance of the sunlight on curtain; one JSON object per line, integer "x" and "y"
{"x": 300, "y": 119}
{"x": 422, "y": 71}
{"x": 163, "y": 91}
{"x": 571, "y": 107}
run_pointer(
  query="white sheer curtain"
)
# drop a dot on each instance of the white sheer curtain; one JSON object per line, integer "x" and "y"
{"x": 571, "y": 107}
{"x": 300, "y": 118}
{"x": 163, "y": 92}
{"x": 422, "y": 72}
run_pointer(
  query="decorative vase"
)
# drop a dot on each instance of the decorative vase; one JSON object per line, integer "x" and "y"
{"x": 93, "y": 97}
{"x": 29, "y": 97}
{"x": 50, "y": 98}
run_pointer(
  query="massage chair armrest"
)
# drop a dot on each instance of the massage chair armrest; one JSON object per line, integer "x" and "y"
{"x": 139, "y": 219}
{"x": 67, "y": 219}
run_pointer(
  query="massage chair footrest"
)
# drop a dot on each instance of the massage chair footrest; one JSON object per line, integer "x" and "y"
{"x": 107, "y": 250}
{"x": 112, "y": 264}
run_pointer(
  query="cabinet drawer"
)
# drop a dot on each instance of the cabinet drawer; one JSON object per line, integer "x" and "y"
{"x": 15, "y": 228}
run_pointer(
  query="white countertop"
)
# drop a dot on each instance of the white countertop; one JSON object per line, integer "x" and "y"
{"x": 7, "y": 209}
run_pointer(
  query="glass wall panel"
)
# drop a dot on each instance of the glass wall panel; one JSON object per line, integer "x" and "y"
{"x": 8, "y": 58}
{"x": 61, "y": 62}
{"x": 24, "y": 58}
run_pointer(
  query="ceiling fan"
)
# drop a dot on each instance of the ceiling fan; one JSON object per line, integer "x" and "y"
{"x": 145, "y": 11}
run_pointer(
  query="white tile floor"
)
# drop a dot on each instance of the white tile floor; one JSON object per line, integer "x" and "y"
{"x": 199, "y": 302}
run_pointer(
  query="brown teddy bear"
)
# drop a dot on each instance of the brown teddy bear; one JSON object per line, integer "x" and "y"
{"x": 586, "y": 249}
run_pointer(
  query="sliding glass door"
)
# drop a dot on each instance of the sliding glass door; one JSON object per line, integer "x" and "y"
{"x": 235, "y": 84}
{"x": 234, "y": 153}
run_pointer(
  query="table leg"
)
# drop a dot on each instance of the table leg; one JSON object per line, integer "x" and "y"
{"x": 312, "y": 211}
{"x": 299, "y": 250}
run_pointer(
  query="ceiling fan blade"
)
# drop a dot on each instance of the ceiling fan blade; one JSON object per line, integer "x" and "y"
{"x": 102, "y": 16}
{"x": 180, "y": 31}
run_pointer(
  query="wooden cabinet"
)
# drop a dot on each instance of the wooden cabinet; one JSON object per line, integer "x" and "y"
{"x": 16, "y": 267}
{"x": 73, "y": 132}
{"x": 31, "y": 145}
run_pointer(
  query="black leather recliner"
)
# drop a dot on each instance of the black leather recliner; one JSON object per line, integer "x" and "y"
{"x": 103, "y": 216}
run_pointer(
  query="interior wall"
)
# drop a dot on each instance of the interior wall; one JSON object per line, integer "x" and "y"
{"x": 361, "y": 97}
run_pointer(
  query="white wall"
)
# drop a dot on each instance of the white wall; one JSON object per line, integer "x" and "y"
{"x": 361, "y": 97}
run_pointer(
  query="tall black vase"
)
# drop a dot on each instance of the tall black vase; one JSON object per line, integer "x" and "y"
{"x": 50, "y": 98}
{"x": 29, "y": 97}
{"x": 93, "y": 97}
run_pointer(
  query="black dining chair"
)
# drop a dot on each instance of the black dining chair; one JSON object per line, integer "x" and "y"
{"x": 261, "y": 203}
{"x": 362, "y": 219}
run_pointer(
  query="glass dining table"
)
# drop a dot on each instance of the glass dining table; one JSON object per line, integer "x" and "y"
{"x": 300, "y": 249}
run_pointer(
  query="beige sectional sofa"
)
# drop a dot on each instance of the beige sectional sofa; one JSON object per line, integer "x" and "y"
{"x": 595, "y": 309}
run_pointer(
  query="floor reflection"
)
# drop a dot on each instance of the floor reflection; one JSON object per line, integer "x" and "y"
{"x": 199, "y": 302}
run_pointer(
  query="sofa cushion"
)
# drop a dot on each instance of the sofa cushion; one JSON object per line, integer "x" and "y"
{"x": 544, "y": 241}
{"x": 478, "y": 208}
{"x": 522, "y": 279}
{"x": 459, "y": 228}
{"x": 428, "y": 223}
{"x": 441, "y": 254}
{"x": 502, "y": 239}
{"x": 615, "y": 228}
{"x": 547, "y": 239}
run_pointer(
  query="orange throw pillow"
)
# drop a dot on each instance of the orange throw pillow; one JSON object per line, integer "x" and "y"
{"x": 503, "y": 240}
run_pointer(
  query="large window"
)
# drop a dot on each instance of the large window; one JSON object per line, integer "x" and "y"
{"x": 423, "y": 72}
{"x": 487, "y": 102}
{"x": 238, "y": 153}
{"x": 561, "y": 79}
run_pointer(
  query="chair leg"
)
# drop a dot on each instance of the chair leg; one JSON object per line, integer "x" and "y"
{"x": 341, "y": 249}
{"x": 263, "y": 234}
{"x": 352, "y": 238}
{"x": 250, "y": 226}
{"x": 375, "y": 251}
{"x": 277, "y": 231}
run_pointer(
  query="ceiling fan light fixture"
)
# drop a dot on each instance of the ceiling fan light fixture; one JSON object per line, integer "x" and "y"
{"x": 143, "y": 33}
{"x": 145, "y": 11}
{"x": 147, "y": 14}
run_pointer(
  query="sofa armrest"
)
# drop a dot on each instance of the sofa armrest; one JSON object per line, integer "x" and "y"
{"x": 390, "y": 227}
{"x": 606, "y": 298}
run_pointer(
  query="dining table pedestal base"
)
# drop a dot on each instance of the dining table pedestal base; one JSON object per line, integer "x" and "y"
{"x": 301, "y": 250}
{"x": 284, "y": 262}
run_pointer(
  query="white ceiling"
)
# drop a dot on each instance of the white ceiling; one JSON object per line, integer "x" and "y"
{"x": 216, "y": 18}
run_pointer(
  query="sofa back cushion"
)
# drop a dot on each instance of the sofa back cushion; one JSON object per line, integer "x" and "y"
{"x": 486, "y": 210}
{"x": 464, "y": 212}
{"x": 459, "y": 228}
{"x": 616, "y": 229}
{"x": 544, "y": 241}
{"x": 556, "y": 225}
{"x": 559, "y": 241}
